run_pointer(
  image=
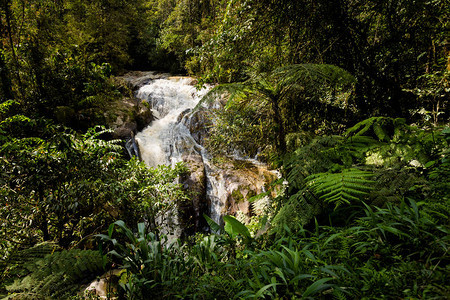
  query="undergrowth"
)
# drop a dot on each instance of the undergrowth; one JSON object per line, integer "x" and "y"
{"x": 361, "y": 216}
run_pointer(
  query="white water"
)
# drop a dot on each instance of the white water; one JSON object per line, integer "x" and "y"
{"x": 216, "y": 190}
{"x": 165, "y": 139}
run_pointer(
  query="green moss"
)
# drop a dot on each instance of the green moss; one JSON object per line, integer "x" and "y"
{"x": 251, "y": 193}
{"x": 242, "y": 164}
{"x": 237, "y": 196}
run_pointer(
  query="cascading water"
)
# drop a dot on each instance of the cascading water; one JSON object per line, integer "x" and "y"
{"x": 170, "y": 139}
{"x": 165, "y": 139}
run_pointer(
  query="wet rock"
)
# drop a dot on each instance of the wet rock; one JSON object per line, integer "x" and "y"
{"x": 198, "y": 125}
{"x": 179, "y": 134}
{"x": 240, "y": 181}
{"x": 137, "y": 79}
{"x": 194, "y": 182}
{"x": 127, "y": 116}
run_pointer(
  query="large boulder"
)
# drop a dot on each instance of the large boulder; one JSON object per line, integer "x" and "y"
{"x": 105, "y": 286}
{"x": 127, "y": 116}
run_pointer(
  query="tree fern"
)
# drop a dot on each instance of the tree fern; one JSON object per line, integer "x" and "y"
{"x": 339, "y": 188}
{"x": 21, "y": 263}
{"x": 298, "y": 211}
{"x": 284, "y": 85}
{"x": 232, "y": 89}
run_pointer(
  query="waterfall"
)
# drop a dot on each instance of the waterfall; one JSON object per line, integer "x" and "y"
{"x": 174, "y": 137}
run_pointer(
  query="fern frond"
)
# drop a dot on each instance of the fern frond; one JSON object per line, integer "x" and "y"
{"x": 314, "y": 74}
{"x": 57, "y": 274}
{"x": 362, "y": 127}
{"x": 339, "y": 188}
{"x": 380, "y": 132}
{"x": 6, "y": 105}
{"x": 383, "y": 128}
{"x": 232, "y": 89}
{"x": 37, "y": 251}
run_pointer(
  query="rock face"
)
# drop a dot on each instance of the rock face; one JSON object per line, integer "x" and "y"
{"x": 131, "y": 115}
{"x": 104, "y": 287}
{"x": 127, "y": 116}
{"x": 194, "y": 184}
{"x": 137, "y": 79}
{"x": 244, "y": 184}
{"x": 234, "y": 183}
{"x": 198, "y": 124}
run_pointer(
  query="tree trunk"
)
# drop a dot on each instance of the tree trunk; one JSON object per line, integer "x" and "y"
{"x": 281, "y": 138}
{"x": 4, "y": 78}
{"x": 41, "y": 217}
{"x": 7, "y": 9}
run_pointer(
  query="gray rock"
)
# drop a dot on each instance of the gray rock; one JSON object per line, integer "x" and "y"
{"x": 127, "y": 116}
{"x": 137, "y": 79}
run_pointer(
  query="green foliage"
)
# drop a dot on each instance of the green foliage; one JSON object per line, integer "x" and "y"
{"x": 284, "y": 62}
{"x": 295, "y": 212}
{"x": 276, "y": 96}
{"x": 63, "y": 54}
{"x": 378, "y": 125}
{"x": 58, "y": 185}
{"x": 160, "y": 268}
{"x": 379, "y": 160}
{"x": 384, "y": 55}
{"x": 393, "y": 252}
{"x": 57, "y": 275}
{"x": 47, "y": 182}
{"x": 339, "y": 188}
{"x": 432, "y": 90}
{"x": 213, "y": 225}
{"x": 21, "y": 262}
{"x": 233, "y": 227}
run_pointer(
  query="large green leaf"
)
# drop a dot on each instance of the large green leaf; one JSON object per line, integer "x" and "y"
{"x": 213, "y": 225}
{"x": 234, "y": 227}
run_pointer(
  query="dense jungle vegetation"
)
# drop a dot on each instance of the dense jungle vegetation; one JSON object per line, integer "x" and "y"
{"x": 347, "y": 98}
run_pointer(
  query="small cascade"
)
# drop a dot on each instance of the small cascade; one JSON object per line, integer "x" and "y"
{"x": 176, "y": 136}
{"x": 216, "y": 191}
{"x": 132, "y": 147}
